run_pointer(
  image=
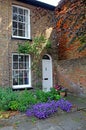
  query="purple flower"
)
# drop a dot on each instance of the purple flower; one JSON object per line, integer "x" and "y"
{"x": 44, "y": 110}
{"x": 64, "y": 105}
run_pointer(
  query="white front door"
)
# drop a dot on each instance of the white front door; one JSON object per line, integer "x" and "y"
{"x": 46, "y": 73}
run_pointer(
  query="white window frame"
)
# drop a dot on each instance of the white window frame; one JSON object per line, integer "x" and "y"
{"x": 27, "y": 29}
{"x": 29, "y": 74}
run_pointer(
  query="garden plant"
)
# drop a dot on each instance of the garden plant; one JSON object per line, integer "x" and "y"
{"x": 35, "y": 103}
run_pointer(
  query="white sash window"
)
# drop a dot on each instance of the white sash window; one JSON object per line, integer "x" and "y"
{"x": 20, "y": 22}
{"x": 21, "y": 72}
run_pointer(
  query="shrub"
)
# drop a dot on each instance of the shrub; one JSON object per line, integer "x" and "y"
{"x": 6, "y": 95}
{"x": 25, "y": 99}
{"x": 15, "y": 100}
{"x": 40, "y": 96}
{"x": 13, "y": 105}
{"x": 45, "y": 96}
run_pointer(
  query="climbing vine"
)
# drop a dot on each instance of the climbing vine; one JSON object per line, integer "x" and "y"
{"x": 71, "y": 23}
{"x": 35, "y": 48}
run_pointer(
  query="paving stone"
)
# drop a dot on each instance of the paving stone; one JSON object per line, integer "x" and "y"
{"x": 7, "y": 128}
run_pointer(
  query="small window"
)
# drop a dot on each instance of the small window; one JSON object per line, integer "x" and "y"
{"x": 46, "y": 57}
{"x": 21, "y": 73}
{"x": 20, "y": 22}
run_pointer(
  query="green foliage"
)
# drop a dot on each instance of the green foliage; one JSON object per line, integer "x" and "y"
{"x": 13, "y": 105}
{"x": 6, "y": 95}
{"x": 35, "y": 47}
{"x": 45, "y": 96}
{"x": 40, "y": 95}
{"x": 22, "y": 100}
{"x": 15, "y": 100}
{"x": 82, "y": 40}
{"x": 26, "y": 99}
{"x": 48, "y": 45}
{"x": 24, "y": 48}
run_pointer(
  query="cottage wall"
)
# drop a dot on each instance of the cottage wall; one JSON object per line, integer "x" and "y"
{"x": 71, "y": 27}
{"x": 41, "y": 24}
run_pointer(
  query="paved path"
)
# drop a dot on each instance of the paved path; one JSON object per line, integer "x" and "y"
{"x": 75, "y": 120}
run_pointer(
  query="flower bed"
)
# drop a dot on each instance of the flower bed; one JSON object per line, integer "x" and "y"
{"x": 44, "y": 110}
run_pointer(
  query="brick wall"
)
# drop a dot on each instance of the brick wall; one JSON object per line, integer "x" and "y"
{"x": 72, "y": 75}
{"x": 41, "y": 23}
{"x": 71, "y": 24}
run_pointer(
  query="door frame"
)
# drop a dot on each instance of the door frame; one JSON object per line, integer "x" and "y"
{"x": 50, "y": 68}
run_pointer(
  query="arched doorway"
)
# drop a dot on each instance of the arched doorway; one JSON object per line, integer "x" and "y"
{"x": 47, "y": 80}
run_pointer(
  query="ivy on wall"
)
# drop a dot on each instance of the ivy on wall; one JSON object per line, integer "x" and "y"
{"x": 71, "y": 23}
{"x": 35, "y": 49}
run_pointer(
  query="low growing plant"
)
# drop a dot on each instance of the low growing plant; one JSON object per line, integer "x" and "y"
{"x": 44, "y": 110}
{"x": 6, "y": 96}
{"x": 26, "y": 99}
{"x": 45, "y": 96}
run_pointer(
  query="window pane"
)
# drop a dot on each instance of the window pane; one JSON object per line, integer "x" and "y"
{"x": 15, "y": 81}
{"x": 15, "y": 32}
{"x": 26, "y": 80}
{"x": 23, "y": 26}
{"x": 20, "y": 33}
{"x": 15, "y": 57}
{"x": 26, "y": 62}
{"x": 15, "y": 25}
{"x": 23, "y": 33}
{"x": 20, "y": 74}
{"x": 20, "y": 11}
{"x": 20, "y": 81}
{"x": 20, "y": 58}
{"x": 23, "y": 18}
{"x": 20, "y": 77}
{"x": 15, "y": 65}
{"x": 21, "y": 66}
{"x": 20, "y": 25}
{"x": 26, "y": 13}
{"x": 15, "y": 73}
{"x": 20, "y": 18}
{"x": 15, "y": 17}
{"x": 15, "y": 77}
{"x": 27, "y": 30}
{"x": 14, "y": 9}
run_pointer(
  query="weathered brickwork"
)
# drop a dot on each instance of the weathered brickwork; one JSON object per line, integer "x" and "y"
{"x": 72, "y": 74}
{"x": 71, "y": 25}
{"x": 41, "y": 24}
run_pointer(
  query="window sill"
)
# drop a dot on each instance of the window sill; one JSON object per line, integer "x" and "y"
{"x": 16, "y": 38}
{"x": 21, "y": 87}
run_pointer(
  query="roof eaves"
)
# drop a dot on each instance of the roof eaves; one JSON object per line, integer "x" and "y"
{"x": 39, "y": 4}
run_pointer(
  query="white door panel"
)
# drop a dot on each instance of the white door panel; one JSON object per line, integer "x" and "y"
{"x": 46, "y": 74}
